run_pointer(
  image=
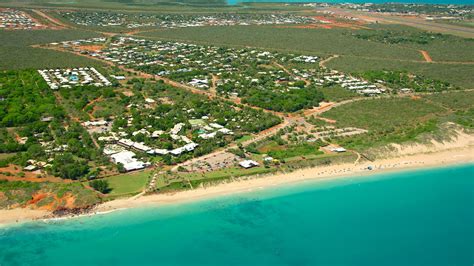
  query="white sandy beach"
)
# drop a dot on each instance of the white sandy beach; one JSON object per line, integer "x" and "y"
{"x": 444, "y": 158}
{"x": 447, "y": 157}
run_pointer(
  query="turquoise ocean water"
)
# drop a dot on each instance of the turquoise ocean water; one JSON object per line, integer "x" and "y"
{"x": 423, "y": 217}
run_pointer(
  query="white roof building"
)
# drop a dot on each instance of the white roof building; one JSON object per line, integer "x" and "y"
{"x": 126, "y": 142}
{"x": 248, "y": 164}
{"x": 141, "y": 147}
{"x": 338, "y": 149}
{"x": 126, "y": 158}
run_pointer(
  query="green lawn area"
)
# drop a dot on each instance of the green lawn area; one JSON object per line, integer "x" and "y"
{"x": 126, "y": 184}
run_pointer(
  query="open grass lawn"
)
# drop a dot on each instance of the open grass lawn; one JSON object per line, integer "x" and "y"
{"x": 16, "y": 51}
{"x": 127, "y": 184}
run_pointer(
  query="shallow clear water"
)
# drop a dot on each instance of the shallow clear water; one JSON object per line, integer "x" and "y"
{"x": 422, "y": 217}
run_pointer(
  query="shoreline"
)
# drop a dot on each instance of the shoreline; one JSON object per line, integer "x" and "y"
{"x": 442, "y": 158}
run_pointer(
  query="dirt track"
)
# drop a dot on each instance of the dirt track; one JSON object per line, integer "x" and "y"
{"x": 52, "y": 20}
{"x": 426, "y": 56}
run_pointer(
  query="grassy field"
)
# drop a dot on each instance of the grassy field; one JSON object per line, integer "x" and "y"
{"x": 128, "y": 184}
{"x": 17, "y": 53}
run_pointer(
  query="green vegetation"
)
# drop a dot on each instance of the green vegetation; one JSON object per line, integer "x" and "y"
{"x": 397, "y": 37}
{"x": 17, "y": 53}
{"x": 14, "y": 193}
{"x": 459, "y": 103}
{"x": 100, "y": 185}
{"x": 396, "y": 120}
{"x": 337, "y": 93}
{"x": 441, "y": 47}
{"x": 8, "y": 144}
{"x": 289, "y": 102}
{"x": 456, "y": 74}
{"x": 400, "y": 80}
{"x": 295, "y": 150}
{"x": 127, "y": 184}
{"x": 25, "y": 98}
{"x": 29, "y": 105}
{"x": 223, "y": 174}
{"x": 187, "y": 180}
{"x": 77, "y": 102}
{"x": 41, "y": 127}
{"x": 356, "y": 55}
{"x": 319, "y": 41}
{"x": 179, "y": 106}
{"x": 66, "y": 166}
{"x": 380, "y": 114}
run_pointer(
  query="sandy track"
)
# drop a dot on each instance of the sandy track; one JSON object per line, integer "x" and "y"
{"x": 52, "y": 20}
{"x": 426, "y": 55}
